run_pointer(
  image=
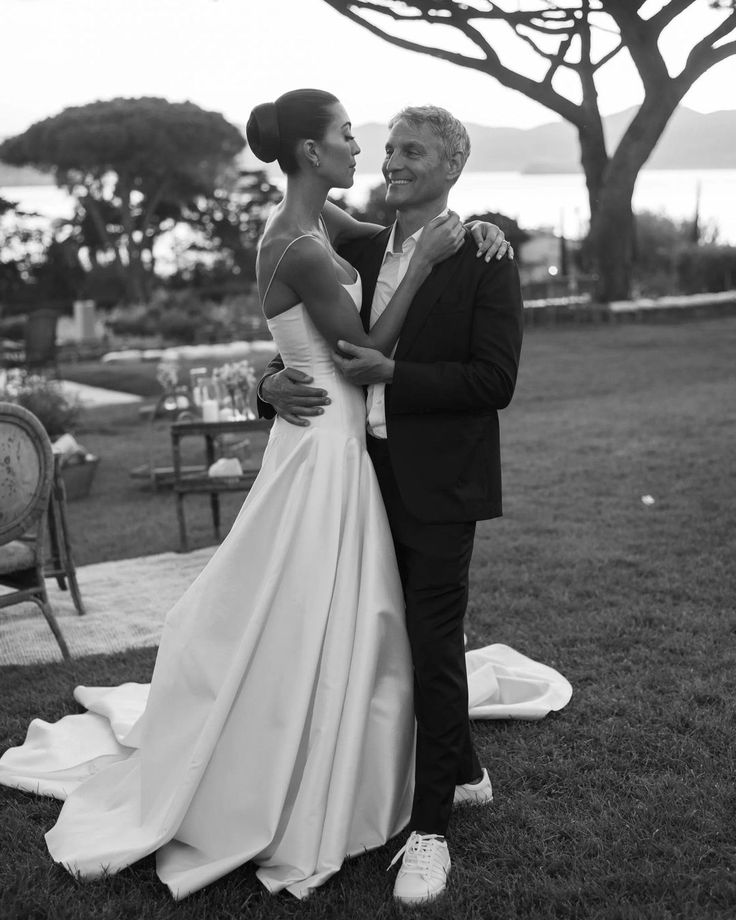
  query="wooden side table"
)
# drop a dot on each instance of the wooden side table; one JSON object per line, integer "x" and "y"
{"x": 199, "y": 482}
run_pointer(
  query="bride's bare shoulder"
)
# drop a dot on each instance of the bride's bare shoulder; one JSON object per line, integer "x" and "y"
{"x": 280, "y": 237}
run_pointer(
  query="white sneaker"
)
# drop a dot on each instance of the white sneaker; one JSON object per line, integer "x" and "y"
{"x": 474, "y": 793}
{"x": 423, "y": 873}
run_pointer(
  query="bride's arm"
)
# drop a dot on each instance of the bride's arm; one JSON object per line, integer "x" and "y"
{"x": 342, "y": 227}
{"x": 308, "y": 269}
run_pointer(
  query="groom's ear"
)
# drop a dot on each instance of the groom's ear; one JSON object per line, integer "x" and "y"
{"x": 455, "y": 165}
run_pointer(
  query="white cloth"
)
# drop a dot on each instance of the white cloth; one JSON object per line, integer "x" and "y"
{"x": 56, "y": 758}
{"x": 278, "y": 727}
{"x": 504, "y": 684}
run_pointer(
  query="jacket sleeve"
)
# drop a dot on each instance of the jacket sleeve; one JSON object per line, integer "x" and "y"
{"x": 266, "y": 410}
{"x": 486, "y": 380}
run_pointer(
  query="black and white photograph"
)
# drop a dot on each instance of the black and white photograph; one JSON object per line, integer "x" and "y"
{"x": 367, "y": 484}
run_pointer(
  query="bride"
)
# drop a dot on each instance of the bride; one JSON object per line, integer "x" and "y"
{"x": 278, "y": 728}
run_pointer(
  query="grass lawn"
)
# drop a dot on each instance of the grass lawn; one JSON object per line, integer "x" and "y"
{"x": 622, "y": 806}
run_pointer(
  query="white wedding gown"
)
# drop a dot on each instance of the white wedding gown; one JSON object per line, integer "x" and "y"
{"x": 278, "y": 728}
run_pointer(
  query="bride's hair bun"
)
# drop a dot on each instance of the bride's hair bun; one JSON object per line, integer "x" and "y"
{"x": 275, "y": 129}
{"x": 263, "y": 133}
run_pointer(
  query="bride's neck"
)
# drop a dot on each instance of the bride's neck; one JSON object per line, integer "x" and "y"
{"x": 304, "y": 200}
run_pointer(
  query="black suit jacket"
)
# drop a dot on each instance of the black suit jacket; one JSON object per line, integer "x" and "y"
{"x": 456, "y": 365}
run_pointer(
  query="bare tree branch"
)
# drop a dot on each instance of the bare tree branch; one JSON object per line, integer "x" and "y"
{"x": 640, "y": 38}
{"x": 670, "y": 11}
{"x": 607, "y": 57}
{"x": 705, "y": 54}
{"x": 707, "y": 43}
{"x": 490, "y": 64}
{"x": 587, "y": 71}
{"x": 556, "y": 59}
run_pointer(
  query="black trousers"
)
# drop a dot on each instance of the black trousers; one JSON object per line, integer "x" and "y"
{"x": 434, "y": 560}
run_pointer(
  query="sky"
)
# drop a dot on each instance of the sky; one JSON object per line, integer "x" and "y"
{"x": 229, "y": 55}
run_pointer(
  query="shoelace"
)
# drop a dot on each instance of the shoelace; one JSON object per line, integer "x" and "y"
{"x": 420, "y": 853}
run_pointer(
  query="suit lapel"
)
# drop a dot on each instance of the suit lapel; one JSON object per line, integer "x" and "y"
{"x": 369, "y": 265}
{"x": 425, "y": 299}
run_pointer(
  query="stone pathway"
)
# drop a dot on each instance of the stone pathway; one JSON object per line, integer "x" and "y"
{"x": 97, "y": 396}
{"x": 126, "y": 602}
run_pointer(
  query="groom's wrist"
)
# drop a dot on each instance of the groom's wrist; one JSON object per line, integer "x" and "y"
{"x": 262, "y": 386}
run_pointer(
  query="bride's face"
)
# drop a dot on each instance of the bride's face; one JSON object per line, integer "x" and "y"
{"x": 338, "y": 149}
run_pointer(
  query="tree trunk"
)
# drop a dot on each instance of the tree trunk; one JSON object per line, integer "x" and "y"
{"x": 611, "y": 240}
{"x": 89, "y": 203}
{"x": 135, "y": 286}
{"x": 594, "y": 160}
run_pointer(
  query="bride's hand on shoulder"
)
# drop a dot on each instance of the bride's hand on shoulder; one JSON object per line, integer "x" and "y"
{"x": 441, "y": 238}
{"x": 490, "y": 240}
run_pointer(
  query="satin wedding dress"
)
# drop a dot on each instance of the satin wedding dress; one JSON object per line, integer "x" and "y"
{"x": 278, "y": 727}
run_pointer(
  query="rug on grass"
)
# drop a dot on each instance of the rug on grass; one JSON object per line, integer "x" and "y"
{"x": 126, "y": 602}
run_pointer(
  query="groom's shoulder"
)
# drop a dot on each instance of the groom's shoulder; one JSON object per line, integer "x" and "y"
{"x": 477, "y": 266}
{"x": 494, "y": 268}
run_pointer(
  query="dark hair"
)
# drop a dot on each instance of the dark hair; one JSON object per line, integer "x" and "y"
{"x": 275, "y": 128}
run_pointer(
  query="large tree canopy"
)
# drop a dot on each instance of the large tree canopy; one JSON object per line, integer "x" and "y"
{"x": 132, "y": 165}
{"x": 568, "y": 43}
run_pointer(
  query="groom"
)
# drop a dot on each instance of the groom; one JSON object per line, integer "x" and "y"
{"x": 433, "y": 438}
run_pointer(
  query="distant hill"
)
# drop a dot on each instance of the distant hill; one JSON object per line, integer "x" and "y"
{"x": 14, "y": 175}
{"x": 690, "y": 141}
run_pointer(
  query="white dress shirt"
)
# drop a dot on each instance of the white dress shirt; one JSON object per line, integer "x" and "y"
{"x": 393, "y": 268}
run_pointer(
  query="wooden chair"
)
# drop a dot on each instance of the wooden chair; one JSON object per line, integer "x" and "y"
{"x": 59, "y": 560}
{"x": 26, "y": 483}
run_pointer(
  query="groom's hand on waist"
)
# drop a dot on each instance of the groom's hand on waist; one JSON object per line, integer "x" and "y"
{"x": 363, "y": 366}
{"x": 290, "y": 394}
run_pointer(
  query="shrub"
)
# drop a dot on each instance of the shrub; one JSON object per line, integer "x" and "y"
{"x": 511, "y": 230}
{"x": 57, "y": 412}
{"x": 706, "y": 268}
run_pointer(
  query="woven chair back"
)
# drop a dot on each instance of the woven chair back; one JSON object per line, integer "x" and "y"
{"x": 26, "y": 471}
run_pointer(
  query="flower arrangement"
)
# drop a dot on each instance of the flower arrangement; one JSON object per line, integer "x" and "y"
{"x": 238, "y": 375}
{"x": 56, "y": 410}
{"x": 237, "y": 378}
{"x": 167, "y": 374}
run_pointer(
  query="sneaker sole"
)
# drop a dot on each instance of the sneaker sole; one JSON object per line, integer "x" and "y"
{"x": 414, "y": 902}
{"x": 473, "y": 803}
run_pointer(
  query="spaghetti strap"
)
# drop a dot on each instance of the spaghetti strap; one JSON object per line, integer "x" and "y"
{"x": 276, "y": 267}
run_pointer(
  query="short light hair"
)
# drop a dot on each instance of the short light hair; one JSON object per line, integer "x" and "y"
{"x": 448, "y": 129}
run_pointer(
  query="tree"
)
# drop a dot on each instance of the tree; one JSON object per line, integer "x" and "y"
{"x": 573, "y": 38}
{"x": 24, "y": 241}
{"x": 230, "y": 223}
{"x": 511, "y": 229}
{"x": 132, "y": 165}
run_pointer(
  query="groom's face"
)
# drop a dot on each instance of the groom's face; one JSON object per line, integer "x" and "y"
{"x": 415, "y": 167}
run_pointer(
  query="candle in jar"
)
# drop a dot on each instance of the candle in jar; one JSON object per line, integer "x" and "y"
{"x": 210, "y": 410}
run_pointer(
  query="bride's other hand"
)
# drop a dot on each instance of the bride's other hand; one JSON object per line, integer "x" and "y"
{"x": 363, "y": 366}
{"x": 441, "y": 238}
{"x": 491, "y": 240}
{"x": 289, "y": 393}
